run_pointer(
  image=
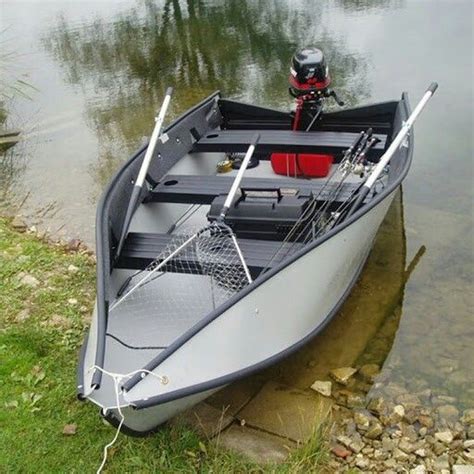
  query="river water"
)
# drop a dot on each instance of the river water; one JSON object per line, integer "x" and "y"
{"x": 98, "y": 71}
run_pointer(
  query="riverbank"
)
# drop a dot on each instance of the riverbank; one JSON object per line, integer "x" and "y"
{"x": 46, "y": 296}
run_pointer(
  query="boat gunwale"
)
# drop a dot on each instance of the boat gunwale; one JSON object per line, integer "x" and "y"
{"x": 179, "y": 342}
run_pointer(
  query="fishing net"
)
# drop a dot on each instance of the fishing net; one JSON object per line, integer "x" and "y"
{"x": 193, "y": 275}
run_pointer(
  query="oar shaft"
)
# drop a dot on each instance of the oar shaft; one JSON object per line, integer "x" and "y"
{"x": 154, "y": 138}
{"x": 137, "y": 188}
{"x": 240, "y": 174}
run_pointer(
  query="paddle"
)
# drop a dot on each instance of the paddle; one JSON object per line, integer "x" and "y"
{"x": 137, "y": 188}
{"x": 394, "y": 146}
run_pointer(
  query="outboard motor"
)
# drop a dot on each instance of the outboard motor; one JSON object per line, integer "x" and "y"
{"x": 309, "y": 84}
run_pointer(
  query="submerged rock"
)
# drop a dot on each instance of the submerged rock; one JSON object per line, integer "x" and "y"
{"x": 468, "y": 417}
{"x": 322, "y": 387}
{"x": 448, "y": 413}
{"x": 343, "y": 374}
{"x": 369, "y": 371}
{"x": 377, "y": 405}
{"x": 445, "y": 437}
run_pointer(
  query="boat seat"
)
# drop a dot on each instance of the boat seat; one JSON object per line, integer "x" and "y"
{"x": 141, "y": 249}
{"x": 193, "y": 189}
{"x": 283, "y": 141}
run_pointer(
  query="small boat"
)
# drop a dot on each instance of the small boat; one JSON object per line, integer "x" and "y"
{"x": 232, "y": 239}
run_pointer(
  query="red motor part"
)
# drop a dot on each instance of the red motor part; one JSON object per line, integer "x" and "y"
{"x": 311, "y": 165}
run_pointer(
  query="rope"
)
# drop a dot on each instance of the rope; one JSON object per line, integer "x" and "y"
{"x": 117, "y": 378}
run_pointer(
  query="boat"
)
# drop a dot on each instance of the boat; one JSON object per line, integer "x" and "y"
{"x": 231, "y": 240}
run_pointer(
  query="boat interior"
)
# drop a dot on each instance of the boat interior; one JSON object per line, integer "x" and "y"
{"x": 186, "y": 191}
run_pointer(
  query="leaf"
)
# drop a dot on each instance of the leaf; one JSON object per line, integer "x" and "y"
{"x": 202, "y": 447}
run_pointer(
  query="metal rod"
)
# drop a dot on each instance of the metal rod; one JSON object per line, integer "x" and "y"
{"x": 394, "y": 146}
{"x": 137, "y": 188}
{"x": 240, "y": 174}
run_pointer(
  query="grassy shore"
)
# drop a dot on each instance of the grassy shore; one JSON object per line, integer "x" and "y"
{"x": 46, "y": 295}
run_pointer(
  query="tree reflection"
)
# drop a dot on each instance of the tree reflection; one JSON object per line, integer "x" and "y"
{"x": 241, "y": 47}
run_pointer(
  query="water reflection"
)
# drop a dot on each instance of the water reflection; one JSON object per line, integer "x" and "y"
{"x": 240, "y": 47}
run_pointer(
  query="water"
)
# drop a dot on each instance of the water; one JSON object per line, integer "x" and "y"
{"x": 100, "y": 69}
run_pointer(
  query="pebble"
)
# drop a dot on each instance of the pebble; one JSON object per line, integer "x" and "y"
{"x": 468, "y": 417}
{"x": 29, "y": 280}
{"x": 445, "y": 437}
{"x": 73, "y": 245}
{"x": 362, "y": 419}
{"x": 23, "y": 315}
{"x": 420, "y": 469}
{"x": 72, "y": 269}
{"x": 469, "y": 443}
{"x": 400, "y": 455}
{"x": 406, "y": 446}
{"x": 421, "y": 452}
{"x": 72, "y": 301}
{"x": 340, "y": 451}
{"x": 448, "y": 412}
{"x": 362, "y": 463}
{"x": 368, "y": 372}
{"x": 441, "y": 462}
{"x": 468, "y": 455}
{"x": 375, "y": 431}
{"x": 343, "y": 374}
{"x": 377, "y": 405}
{"x": 462, "y": 469}
{"x": 70, "y": 429}
{"x": 19, "y": 224}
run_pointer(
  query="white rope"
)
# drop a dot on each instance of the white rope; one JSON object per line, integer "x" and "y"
{"x": 117, "y": 378}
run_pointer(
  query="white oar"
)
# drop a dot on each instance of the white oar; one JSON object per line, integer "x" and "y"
{"x": 394, "y": 146}
{"x": 137, "y": 188}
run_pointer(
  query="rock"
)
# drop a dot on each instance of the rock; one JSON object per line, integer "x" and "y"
{"x": 420, "y": 469}
{"x": 462, "y": 469}
{"x": 448, "y": 413}
{"x": 468, "y": 444}
{"x": 368, "y": 372}
{"x": 59, "y": 321}
{"x": 426, "y": 421}
{"x": 423, "y": 431}
{"x": 400, "y": 455}
{"x": 361, "y": 462}
{"x": 322, "y": 387}
{"x": 29, "y": 280}
{"x": 441, "y": 462}
{"x": 374, "y": 431}
{"x": 421, "y": 452}
{"x": 439, "y": 448}
{"x": 398, "y": 413}
{"x": 377, "y": 405}
{"x": 380, "y": 455}
{"x": 73, "y": 245}
{"x": 23, "y": 315}
{"x": 72, "y": 269}
{"x": 406, "y": 446}
{"x": 72, "y": 301}
{"x": 445, "y": 437}
{"x": 343, "y": 374}
{"x": 362, "y": 419}
{"x": 408, "y": 400}
{"x": 468, "y": 417}
{"x": 19, "y": 224}
{"x": 355, "y": 443}
{"x": 468, "y": 455}
{"x": 355, "y": 400}
{"x": 70, "y": 430}
{"x": 340, "y": 451}
{"x": 393, "y": 390}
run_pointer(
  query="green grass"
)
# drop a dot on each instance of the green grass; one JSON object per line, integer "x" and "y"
{"x": 41, "y": 330}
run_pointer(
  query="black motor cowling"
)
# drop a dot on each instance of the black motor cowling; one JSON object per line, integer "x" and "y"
{"x": 309, "y": 72}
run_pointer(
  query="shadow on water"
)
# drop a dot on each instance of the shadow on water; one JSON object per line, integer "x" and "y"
{"x": 362, "y": 332}
{"x": 243, "y": 48}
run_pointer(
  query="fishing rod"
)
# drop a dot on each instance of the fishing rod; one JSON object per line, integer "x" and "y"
{"x": 137, "y": 188}
{"x": 394, "y": 146}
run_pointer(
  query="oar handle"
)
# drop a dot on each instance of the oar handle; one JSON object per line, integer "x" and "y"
{"x": 394, "y": 146}
{"x": 240, "y": 174}
{"x": 154, "y": 138}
